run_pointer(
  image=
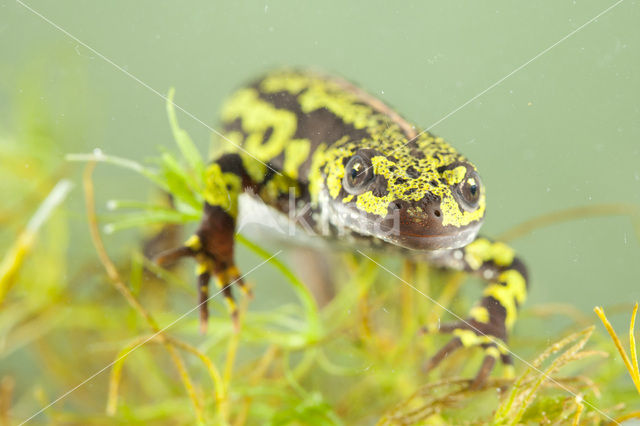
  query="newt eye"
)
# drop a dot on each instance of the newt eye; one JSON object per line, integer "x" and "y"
{"x": 358, "y": 173}
{"x": 468, "y": 191}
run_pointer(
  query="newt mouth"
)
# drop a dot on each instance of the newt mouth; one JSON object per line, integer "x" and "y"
{"x": 427, "y": 233}
{"x": 420, "y": 241}
{"x": 424, "y": 233}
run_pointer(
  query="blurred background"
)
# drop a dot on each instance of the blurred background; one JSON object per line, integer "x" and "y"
{"x": 561, "y": 132}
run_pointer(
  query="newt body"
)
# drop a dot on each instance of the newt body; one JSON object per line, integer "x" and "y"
{"x": 345, "y": 166}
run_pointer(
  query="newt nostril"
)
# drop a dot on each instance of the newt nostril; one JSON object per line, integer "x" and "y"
{"x": 437, "y": 213}
{"x": 396, "y": 205}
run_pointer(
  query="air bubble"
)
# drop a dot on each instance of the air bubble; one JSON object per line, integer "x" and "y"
{"x": 98, "y": 154}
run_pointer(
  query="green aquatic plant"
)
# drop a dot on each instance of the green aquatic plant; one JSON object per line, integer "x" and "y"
{"x": 123, "y": 329}
{"x": 630, "y": 361}
{"x": 14, "y": 259}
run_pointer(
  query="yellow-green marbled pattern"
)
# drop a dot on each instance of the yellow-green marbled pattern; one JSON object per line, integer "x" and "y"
{"x": 356, "y": 165}
{"x": 411, "y": 167}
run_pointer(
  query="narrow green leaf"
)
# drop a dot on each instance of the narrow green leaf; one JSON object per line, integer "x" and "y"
{"x": 182, "y": 138}
{"x": 178, "y": 183}
{"x": 99, "y": 156}
{"x": 144, "y": 218}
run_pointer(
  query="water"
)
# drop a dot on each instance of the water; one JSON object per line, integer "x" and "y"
{"x": 560, "y": 131}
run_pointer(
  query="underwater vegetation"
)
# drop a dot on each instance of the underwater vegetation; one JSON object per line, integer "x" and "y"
{"x": 113, "y": 339}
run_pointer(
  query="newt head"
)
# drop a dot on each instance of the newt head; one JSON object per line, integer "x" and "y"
{"x": 421, "y": 195}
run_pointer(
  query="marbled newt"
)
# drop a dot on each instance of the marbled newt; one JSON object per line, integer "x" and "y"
{"x": 346, "y": 166}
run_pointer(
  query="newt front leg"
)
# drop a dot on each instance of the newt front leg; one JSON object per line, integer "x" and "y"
{"x": 490, "y": 321}
{"x": 212, "y": 245}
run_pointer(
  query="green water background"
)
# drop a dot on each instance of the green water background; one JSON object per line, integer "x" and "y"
{"x": 562, "y": 131}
